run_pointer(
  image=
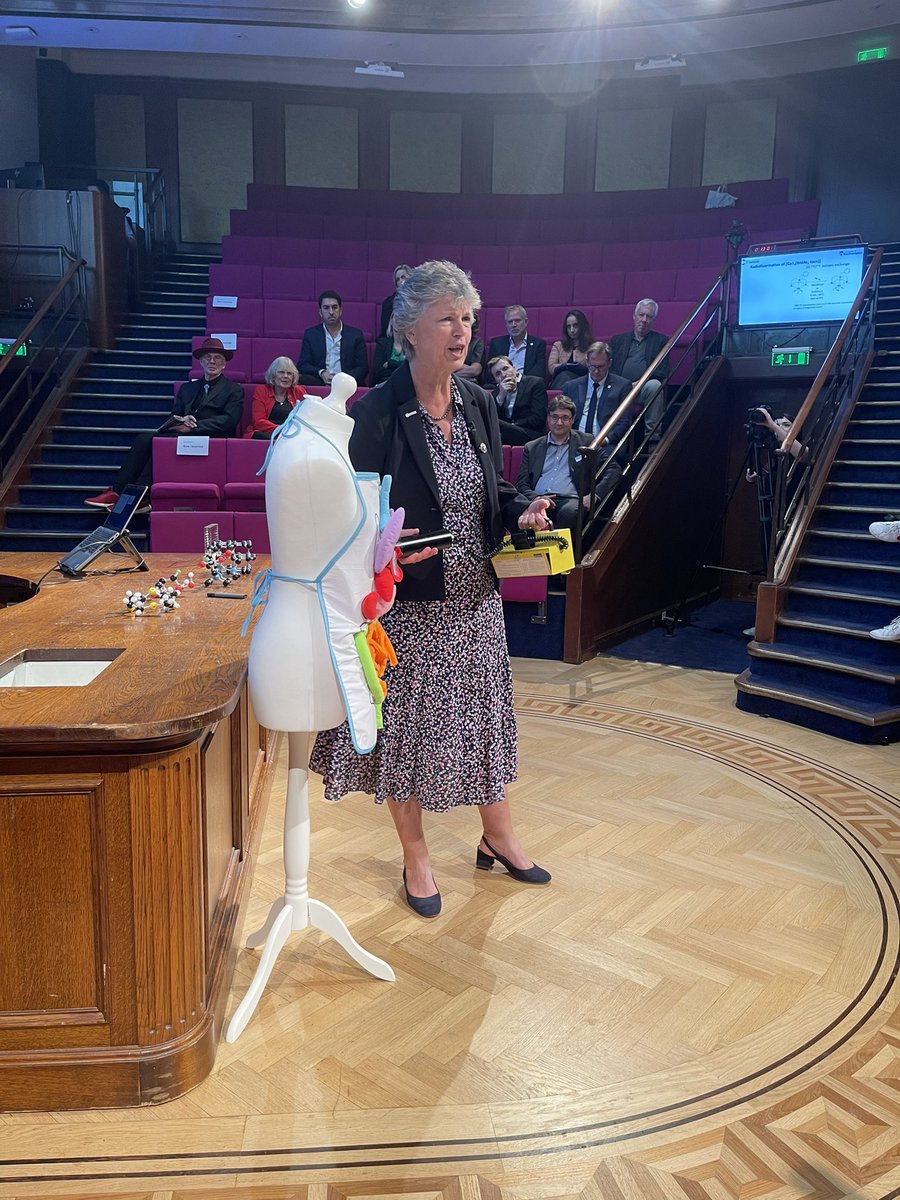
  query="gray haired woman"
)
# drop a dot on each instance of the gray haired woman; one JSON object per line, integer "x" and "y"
{"x": 449, "y": 734}
{"x": 274, "y": 400}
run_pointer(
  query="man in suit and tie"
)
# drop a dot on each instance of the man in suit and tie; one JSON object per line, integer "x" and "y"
{"x": 598, "y": 394}
{"x": 210, "y": 406}
{"x": 521, "y": 403}
{"x": 332, "y": 346}
{"x": 527, "y": 354}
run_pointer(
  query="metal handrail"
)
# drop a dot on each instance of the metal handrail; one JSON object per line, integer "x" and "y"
{"x": 27, "y": 380}
{"x": 702, "y": 345}
{"x": 797, "y": 478}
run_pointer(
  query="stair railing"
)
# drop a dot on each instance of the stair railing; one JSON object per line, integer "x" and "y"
{"x": 629, "y": 455}
{"x": 818, "y": 430}
{"x": 58, "y": 325}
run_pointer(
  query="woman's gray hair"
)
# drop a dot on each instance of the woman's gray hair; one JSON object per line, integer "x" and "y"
{"x": 424, "y": 286}
{"x": 281, "y": 364}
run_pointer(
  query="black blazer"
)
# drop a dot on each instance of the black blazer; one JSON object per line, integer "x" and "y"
{"x": 529, "y": 414}
{"x": 387, "y": 311}
{"x": 218, "y": 414}
{"x": 354, "y": 359}
{"x": 532, "y": 467}
{"x": 535, "y": 354}
{"x": 615, "y": 389}
{"x": 382, "y": 367}
{"x": 652, "y": 344}
{"x": 389, "y": 439}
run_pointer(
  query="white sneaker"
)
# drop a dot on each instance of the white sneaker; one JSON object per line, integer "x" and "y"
{"x": 890, "y": 633}
{"x": 887, "y": 531}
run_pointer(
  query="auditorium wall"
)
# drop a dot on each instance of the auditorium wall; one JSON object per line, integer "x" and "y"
{"x": 631, "y": 134}
{"x": 18, "y": 104}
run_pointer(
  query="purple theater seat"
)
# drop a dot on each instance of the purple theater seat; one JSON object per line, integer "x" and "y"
{"x": 609, "y": 319}
{"x": 266, "y": 350}
{"x": 426, "y": 250}
{"x": 253, "y": 251}
{"x": 580, "y": 257}
{"x": 693, "y": 283}
{"x": 338, "y": 226}
{"x": 289, "y": 283}
{"x": 244, "y": 490}
{"x": 289, "y": 318}
{"x": 546, "y": 289}
{"x": 547, "y": 322}
{"x": 187, "y": 482}
{"x": 676, "y": 254}
{"x": 300, "y": 252}
{"x": 235, "y": 280}
{"x": 711, "y": 252}
{"x": 247, "y": 413}
{"x": 382, "y": 256}
{"x": 379, "y": 284}
{"x": 383, "y": 232}
{"x": 487, "y": 260}
{"x": 671, "y": 314}
{"x": 238, "y": 367}
{"x": 349, "y": 284}
{"x": 506, "y": 452}
{"x": 252, "y": 526}
{"x": 365, "y": 316}
{"x": 498, "y": 289}
{"x": 660, "y": 285}
{"x": 246, "y": 319}
{"x": 183, "y": 533}
{"x": 252, "y": 224}
{"x": 271, "y": 196}
{"x": 597, "y": 287}
{"x": 527, "y": 590}
{"x": 626, "y": 256}
{"x": 298, "y": 225}
{"x": 491, "y": 324}
{"x": 533, "y": 259}
{"x": 352, "y": 254}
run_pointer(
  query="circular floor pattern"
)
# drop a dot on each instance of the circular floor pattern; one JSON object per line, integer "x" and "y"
{"x": 702, "y": 1004}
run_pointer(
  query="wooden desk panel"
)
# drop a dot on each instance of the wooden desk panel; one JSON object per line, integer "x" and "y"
{"x": 126, "y": 814}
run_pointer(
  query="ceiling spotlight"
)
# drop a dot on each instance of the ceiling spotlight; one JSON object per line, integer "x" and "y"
{"x": 20, "y": 33}
{"x": 384, "y": 70}
{"x": 357, "y": 3}
{"x": 662, "y": 62}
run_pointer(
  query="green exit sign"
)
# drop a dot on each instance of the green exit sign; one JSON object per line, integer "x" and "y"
{"x": 5, "y": 348}
{"x": 871, "y": 55}
{"x": 797, "y": 356}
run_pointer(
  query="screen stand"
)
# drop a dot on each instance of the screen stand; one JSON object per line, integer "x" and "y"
{"x": 124, "y": 540}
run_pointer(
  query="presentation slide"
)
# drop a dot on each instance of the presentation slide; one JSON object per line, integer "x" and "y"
{"x": 803, "y": 287}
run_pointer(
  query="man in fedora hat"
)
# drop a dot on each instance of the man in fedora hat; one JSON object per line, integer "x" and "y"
{"x": 211, "y": 405}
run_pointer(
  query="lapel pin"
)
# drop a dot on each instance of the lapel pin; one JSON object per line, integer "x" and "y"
{"x": 410, "y": 414}
{"x": 482, "y": 447}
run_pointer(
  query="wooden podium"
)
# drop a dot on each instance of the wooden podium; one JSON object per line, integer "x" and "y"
{"x": 126, "y": 806}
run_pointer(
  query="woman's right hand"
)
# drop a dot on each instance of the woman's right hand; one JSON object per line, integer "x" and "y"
{"x": 407, "y": 560}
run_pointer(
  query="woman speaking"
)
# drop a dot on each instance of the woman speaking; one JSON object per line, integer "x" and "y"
{"x": 449, "y": 734}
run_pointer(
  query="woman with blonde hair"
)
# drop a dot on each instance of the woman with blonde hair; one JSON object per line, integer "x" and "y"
{"x": 274, "y": 400}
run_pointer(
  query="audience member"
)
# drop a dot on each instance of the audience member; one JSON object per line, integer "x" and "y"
{"x": 388, "y": 356}
{"x": 274, "y": 400}
{"x": 632, "y": 354}
{"x": 387, "y": 307}
{"x": 886, "y": 531}
{"x": 473, "y": 367}
{"x": 521, "y": 403}
{"x": 568, "y": 356}
{"x": 598, "y": 395}
{"x": 553, "y": 466}
{"x": 332, "y": 346}
{"x": 210, "y": 406}
{"x": 527, "y": 354}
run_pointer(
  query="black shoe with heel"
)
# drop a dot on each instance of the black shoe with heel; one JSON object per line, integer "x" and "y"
{"x": 424, "y": 906}
{"x": 485, "y": 862}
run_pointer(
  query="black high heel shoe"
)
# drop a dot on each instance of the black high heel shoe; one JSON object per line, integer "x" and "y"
{"x": 485, "y": 862}
{"x": 424, "y": 906}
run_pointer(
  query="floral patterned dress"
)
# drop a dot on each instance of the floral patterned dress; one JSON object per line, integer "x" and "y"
{"x": 449, "y": 733}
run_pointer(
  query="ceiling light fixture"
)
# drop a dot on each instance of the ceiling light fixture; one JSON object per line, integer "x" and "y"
{"x": 357, "y": 3}
{"x": 660, "y": 62}
{"x": 20, "y": 33}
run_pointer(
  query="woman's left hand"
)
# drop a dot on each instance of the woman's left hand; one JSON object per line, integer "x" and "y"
{"x": 534, "y": 516}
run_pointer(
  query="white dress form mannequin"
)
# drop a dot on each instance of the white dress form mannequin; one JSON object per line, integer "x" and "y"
{"x": 312, "y": 509}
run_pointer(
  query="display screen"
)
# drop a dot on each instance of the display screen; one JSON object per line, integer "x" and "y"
{"x": 803, "y": 287}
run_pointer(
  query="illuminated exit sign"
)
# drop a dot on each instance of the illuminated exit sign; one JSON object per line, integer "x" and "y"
{"x": 871, "y": 55}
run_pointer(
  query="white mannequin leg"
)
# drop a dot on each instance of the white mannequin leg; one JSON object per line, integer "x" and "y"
{"x": 294, "y": 910}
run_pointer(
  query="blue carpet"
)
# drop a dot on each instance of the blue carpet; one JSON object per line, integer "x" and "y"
{"x": 710, "y": 639}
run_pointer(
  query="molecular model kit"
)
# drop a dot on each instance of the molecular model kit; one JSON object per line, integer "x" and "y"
{"x": 224, "y": 564}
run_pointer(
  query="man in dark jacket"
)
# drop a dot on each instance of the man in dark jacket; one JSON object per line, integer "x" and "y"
{"x": 632, "y": 354}
{"x": 598, "y": 394}
{"x": 521, "y": 403}
{"x": 332, "y": 346}
{"x": 210, "y": 406}
{"x": 528, "y": 354}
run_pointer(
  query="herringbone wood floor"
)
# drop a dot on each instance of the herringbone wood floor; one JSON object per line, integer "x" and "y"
{"x": 703, "y": 1005}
